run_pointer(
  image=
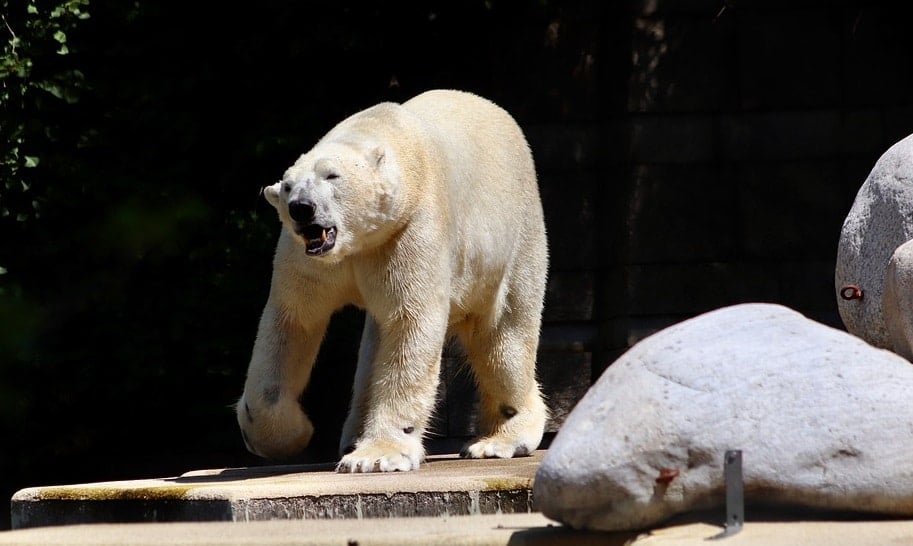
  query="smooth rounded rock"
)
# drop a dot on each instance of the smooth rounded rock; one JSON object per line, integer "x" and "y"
{"x": 897, "y": 301}
{"x": 880, "y": 221}
{"x": 824, "y": 421}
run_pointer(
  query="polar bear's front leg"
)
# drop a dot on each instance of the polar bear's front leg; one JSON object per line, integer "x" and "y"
{"x": 367, "y": 350}
{"x": 272, "y": 421}
{"x": 394, "y": 396}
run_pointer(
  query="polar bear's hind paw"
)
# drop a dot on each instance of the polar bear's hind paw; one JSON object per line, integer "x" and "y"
{"x": 488, "y": 448}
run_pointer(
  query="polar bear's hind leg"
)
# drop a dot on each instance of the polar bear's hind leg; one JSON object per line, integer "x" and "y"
{"x": 512, "y": 413}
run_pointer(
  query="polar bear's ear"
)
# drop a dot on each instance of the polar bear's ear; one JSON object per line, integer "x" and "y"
{"x": 272, "y": 194}
{"x": 378, "y": 154}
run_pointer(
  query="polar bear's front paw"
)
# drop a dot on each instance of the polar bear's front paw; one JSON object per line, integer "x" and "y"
{"x": 274, "y": 431}
{"x": 493, "y": 447}
{"x": 381, "y": 456}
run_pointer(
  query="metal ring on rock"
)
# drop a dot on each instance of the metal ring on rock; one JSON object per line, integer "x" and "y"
{"x": 851, "y": 292}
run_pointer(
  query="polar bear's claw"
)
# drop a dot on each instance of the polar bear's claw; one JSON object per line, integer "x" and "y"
{"x": 488, "y": 448}
{"x": 379, "y": 456}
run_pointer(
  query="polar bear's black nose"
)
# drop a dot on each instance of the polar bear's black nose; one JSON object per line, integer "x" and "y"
{"x": 301, "y": 211}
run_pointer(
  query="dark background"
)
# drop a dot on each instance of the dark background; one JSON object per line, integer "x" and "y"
{"x": 692, "y": 154}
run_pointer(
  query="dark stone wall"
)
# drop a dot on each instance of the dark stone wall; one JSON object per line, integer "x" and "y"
{"x": 704, "y": 156}
{"x": 691, "y": 154}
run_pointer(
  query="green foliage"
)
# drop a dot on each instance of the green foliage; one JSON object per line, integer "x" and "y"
{"x": 30, "y": 77}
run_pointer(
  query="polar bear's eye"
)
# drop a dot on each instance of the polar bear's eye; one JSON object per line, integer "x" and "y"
{"x": 286, "y": 187}
{"x": 332, "y": 176}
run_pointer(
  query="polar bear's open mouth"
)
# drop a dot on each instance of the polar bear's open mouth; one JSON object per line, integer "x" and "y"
{"x": 317, "y": 239}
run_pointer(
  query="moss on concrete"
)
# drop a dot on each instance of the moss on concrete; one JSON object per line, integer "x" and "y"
{"x": 165, "y": 492}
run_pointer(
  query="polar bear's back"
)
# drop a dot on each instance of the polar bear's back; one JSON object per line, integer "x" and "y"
{"x": 487, "y": 160}
{"x": 494, "y": 206}
{"x": 472, "y": 129}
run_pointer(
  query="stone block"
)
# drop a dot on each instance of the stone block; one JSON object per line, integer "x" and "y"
{"x": 688, "y": 289}
{"x": 711, "y": 8}
{"x": 864, "y": 132}
{"x": 788, "y": 210}
{"x": 898, "y": 121}
{"x": 804, "y": 285}
{"x": 568, "y": 336}
{"x": 565, "y": 378}
{"x": 855, "y": 170}
{"x": 784, "y": 135}
{"x": 570, "y": 209}
{"x": 443, "y": 486}
{"x": 569, "y": 296}
{"x": 671, "y": 139}
{"x": 682, "y": 63}
{"x": 789, "y": 59}
{"x": 458, "y": 399}
{"x": 877, "y": 68}
{"x": 636, "y": 328}
{"x": 664, "y": 7}
{"x": 563, "y": 147}
{"x": 678, "y": 213}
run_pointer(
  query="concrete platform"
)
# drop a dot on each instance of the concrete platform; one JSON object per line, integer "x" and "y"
{"x": 458, "y": 502}
{"x": 443, "y": 486}
{"x": 480, "y": 530}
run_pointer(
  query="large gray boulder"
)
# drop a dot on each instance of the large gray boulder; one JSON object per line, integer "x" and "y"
{"x": 824, "y": 420}
{"x": 880, "y": 221}
{"x": 897, "y": 301}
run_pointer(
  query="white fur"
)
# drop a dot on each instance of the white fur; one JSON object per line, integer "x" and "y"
{"x": 439, "y": 233}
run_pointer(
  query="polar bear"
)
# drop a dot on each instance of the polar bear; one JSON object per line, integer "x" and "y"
{"x": 427, "y": 215}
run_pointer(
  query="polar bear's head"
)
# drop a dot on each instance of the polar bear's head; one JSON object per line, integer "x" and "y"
{"x": 338, "y": 198}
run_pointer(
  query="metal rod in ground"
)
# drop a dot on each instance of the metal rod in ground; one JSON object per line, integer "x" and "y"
{"x": 735, "y": 497}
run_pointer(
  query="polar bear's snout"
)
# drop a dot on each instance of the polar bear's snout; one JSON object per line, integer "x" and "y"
{"x": 302, "y": 211}
{"x": 318, "y": 238}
